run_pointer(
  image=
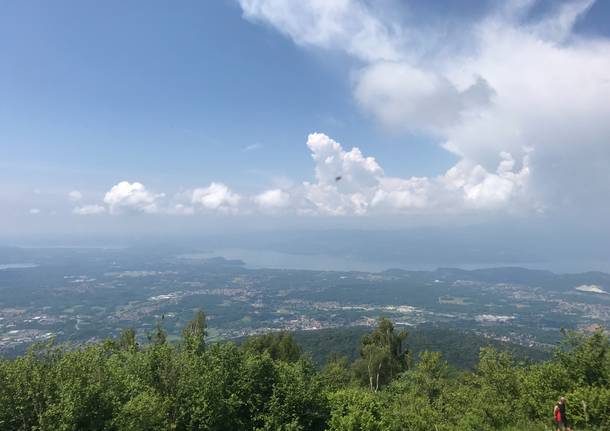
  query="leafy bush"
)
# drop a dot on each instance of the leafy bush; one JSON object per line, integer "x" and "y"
{"x": 267, "y": 384}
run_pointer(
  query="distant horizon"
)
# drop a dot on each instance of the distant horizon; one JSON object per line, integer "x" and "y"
{"x": 254, "y": 257}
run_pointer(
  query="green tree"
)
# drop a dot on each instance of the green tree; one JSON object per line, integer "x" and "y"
{"x": 336, "y": 373}
{"x": 586, "y": 358}
{"x": 210, "y": 389}
{"x": 383, "y": 355}
{"x": 297, "y": 401}
{"x": 147, "y": 411}
{"x": 257, "y": 379}
{"x": 27, "y": 386}
{"x": 83, "y": 396}
{"x": 419, "y": 399}
{"x": 158, "y": 335}
{"x": 589, "y": 406}
{"x": 194, "y": 333}
{"x": 281, "y": 346}
{"x": 498, "y": 383}
{"x": 431, "y": 374}
{"x": 355, "y": 410}
{"x": 540, "y": 386}
{"x": 128, "y": 340}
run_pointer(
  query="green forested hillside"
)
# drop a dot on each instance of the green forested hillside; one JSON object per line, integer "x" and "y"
{"x": 459, "y": 348}
{"x": 267, "y": 384}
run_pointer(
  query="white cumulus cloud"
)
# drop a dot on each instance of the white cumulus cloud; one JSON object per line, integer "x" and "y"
{"x": 131, "y": 197}
{"x": 350, "y": 183}
{"x": 273, "y": 199}
{"x": 346, "y": 182}
{"x": 216, "y": 197}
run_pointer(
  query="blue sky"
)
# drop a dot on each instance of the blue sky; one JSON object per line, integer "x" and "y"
{"x": 113, "y": 90}
{"x": 196, "y": 110}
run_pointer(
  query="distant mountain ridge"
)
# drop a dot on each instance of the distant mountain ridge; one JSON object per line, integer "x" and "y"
{"x": 512, "y": 274}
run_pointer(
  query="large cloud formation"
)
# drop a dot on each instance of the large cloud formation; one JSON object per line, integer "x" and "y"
{"x": 346, "y": 183}
{"x": 523, "y": 104}
{"x": 349, "y": 183}
{"x": 527, "y": 95}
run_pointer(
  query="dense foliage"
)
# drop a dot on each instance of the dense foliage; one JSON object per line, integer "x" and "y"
{"x": 459, "y": 348}
{"x": 267, "y": 384}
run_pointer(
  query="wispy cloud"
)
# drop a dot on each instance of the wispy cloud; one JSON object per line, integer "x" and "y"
{"x": 89, "y": 210}
{"x": 75, "y": 196}
{"x": 252, "y": 147}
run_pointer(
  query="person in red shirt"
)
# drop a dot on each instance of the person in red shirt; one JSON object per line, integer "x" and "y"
{"x": 559, "y": 414}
